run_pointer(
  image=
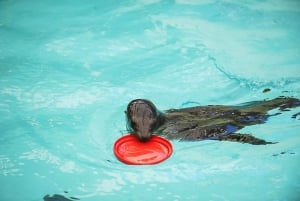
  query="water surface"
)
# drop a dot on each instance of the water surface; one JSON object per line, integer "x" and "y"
{"x": 68, "y": 70}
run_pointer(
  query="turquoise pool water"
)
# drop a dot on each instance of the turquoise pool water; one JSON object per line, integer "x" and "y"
{"x": 69, "y": 68}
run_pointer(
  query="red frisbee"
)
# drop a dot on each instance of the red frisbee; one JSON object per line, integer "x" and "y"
{"x": 130, "y": 150}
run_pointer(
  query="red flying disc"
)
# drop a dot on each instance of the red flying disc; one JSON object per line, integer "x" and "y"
{"x": 130, "y": 150}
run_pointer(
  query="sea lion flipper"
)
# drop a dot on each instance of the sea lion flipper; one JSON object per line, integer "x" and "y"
{"x": 244, "y": 138}
{"x": 262, "y": 107}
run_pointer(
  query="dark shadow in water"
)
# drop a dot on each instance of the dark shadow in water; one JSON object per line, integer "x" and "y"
{"x": 57, "y": 197}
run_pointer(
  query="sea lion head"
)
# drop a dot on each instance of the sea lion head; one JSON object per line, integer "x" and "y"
{"x": 142, "y": 117}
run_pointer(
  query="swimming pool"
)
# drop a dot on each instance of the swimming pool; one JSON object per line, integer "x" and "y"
{"x": 69, "y": 69}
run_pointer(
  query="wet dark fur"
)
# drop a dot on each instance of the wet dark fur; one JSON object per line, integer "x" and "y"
{"x": 216, "y": 122}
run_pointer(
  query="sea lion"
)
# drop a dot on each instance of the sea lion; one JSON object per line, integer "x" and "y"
{"x": 215, "y": 122}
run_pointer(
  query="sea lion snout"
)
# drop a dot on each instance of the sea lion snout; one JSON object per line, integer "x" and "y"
{"x": 143, "y": 137}
{"x": 142, "y": 117}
